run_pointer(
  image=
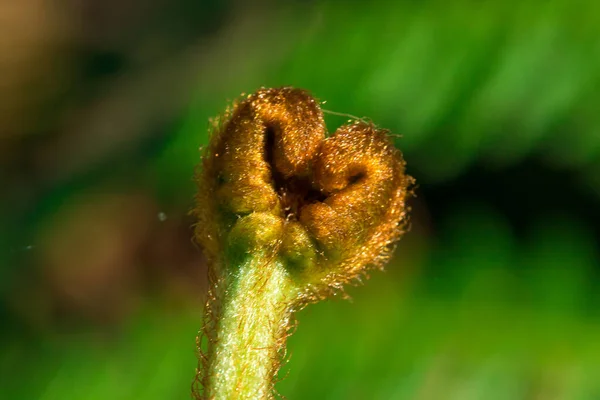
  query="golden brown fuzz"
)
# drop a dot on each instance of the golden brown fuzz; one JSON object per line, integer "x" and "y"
{"x": 274, "y": 187}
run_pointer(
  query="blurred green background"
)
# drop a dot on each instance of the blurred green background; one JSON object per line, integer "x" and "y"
{"x": 492, "y": 295}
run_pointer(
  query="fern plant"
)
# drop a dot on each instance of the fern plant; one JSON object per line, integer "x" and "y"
{"x": 287, "y": 216}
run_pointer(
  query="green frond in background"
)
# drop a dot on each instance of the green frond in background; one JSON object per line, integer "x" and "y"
{"x": 459, "y": 81}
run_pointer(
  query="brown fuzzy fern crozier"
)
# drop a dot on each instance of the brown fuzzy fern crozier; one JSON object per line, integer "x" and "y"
{"x": 286, "y": 216}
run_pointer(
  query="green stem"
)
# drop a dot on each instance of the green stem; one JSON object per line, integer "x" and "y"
{"x": 251, "y": 331}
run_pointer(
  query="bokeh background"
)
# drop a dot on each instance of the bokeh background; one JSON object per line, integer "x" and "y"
{"x": 492, "y": 295}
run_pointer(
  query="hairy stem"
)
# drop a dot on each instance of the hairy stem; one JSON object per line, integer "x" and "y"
{"x": 251, "y": 330}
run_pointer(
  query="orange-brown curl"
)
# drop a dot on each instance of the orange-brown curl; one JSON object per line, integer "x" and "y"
{"x": 335, "y": 204}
